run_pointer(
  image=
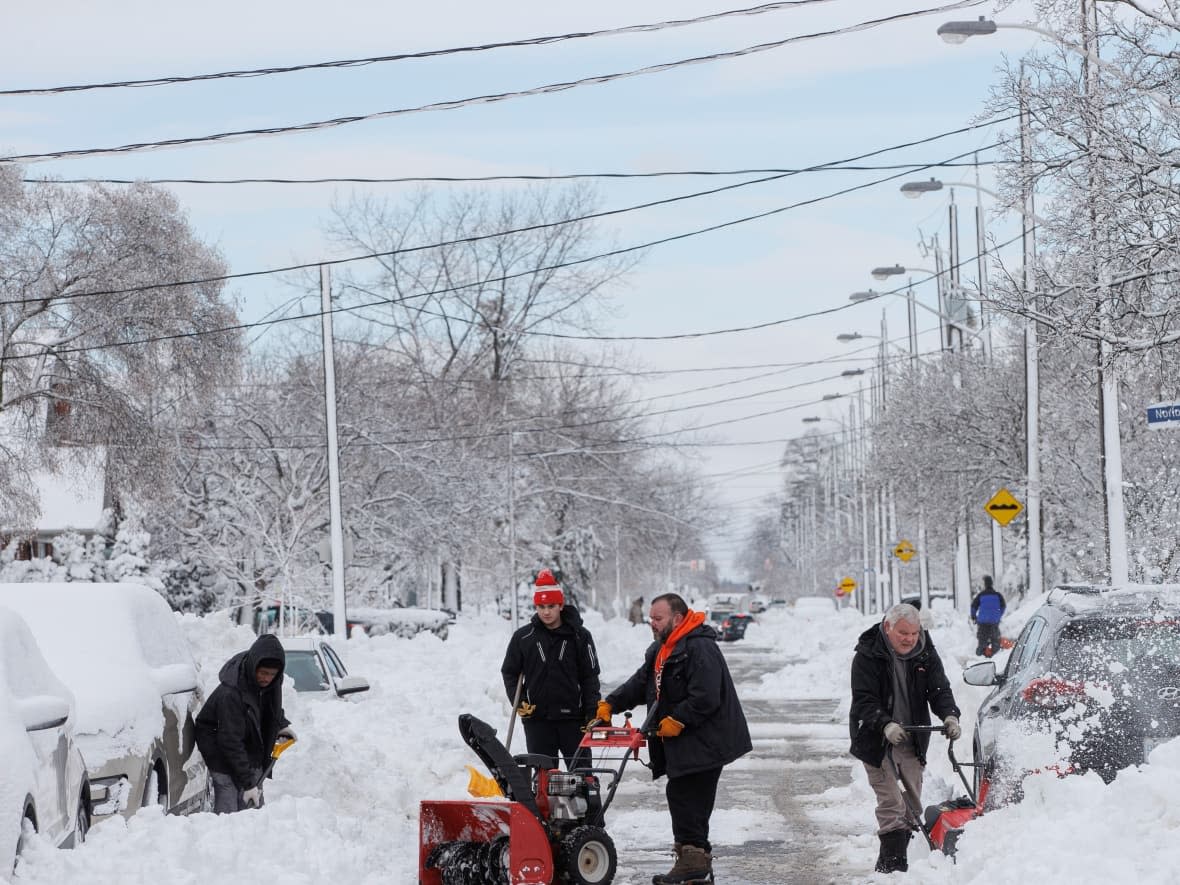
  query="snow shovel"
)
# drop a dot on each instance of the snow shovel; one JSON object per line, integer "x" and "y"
{"x": 280, "y": 747}
{"x": 515, "y": 706}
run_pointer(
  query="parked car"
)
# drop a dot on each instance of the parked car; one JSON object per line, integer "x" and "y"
{"x": 120, "y": 651}
{"x": 758, "y": 603}
{"x": 403, "y": 622}
{"x": 315, "y": 666}
{"x": 42, "y": 775}
{"x": 1091, "y": 684}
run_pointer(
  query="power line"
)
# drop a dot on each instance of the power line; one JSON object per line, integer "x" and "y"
{"x": 530, "y": 228}
{"x": 405, "y": 56}
{"x": 569, "y": 176}
{"x": 492, "y": 98}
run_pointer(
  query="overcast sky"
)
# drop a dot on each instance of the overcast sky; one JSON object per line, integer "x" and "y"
{"x": 807, "y": 103}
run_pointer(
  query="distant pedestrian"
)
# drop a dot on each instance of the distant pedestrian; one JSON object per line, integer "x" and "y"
{"x": 635, "y": 614}
{"x": 556, "y": 656}
{"x": 897, "y": 679}
{"x": 685, "y": 684}
{"x": 237, "y": 728}
{"x": 986, "y": 610}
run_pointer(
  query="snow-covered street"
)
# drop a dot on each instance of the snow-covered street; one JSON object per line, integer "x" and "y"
{"x": 343, "y": 805}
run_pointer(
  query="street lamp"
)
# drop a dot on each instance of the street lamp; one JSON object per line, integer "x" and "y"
{"x": 831, "y": 396}
{"x": 812, "y": 419}
{"x": 958, "y": 32}
{"x": 884, "y": 273}
{"x": 848, "y": 373}
{"x": 915, "y": 189}
{"x": 849, "y": 336}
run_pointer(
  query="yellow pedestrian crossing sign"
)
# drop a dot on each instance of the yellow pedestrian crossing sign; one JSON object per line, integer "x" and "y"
{"x": 1003, "y": 507}
{"x": 904, "y": 550}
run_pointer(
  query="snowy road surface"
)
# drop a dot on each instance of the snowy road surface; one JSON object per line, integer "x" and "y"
{"x": 762, "y": 830}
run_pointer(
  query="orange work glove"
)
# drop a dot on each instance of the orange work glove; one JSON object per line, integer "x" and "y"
{"x": 669, "y": 728}
{"x": 602, "y": 714}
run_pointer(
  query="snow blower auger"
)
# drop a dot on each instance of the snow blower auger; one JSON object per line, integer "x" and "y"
{"x": 548, "y": 830}
{"x": 941, "y": 824}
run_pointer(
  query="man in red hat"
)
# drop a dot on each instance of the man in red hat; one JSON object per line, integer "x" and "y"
{"x": 556, "y": 657}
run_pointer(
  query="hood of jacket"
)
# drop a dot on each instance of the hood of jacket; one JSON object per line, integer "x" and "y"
{"x": 571, "y": 620}
{"x": 238, "y": 671}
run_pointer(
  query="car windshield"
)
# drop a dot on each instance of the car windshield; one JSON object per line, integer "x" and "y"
{"x": 1100, "y": 649}
{"x": 303, "y": 667}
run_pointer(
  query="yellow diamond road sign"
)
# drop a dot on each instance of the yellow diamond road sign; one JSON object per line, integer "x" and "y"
{"x": 1003, "y": 507}
{"x": 904, "y": 551}
{"x": 847, "y": 585}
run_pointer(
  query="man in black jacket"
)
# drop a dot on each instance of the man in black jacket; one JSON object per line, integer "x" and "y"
{"x": 555, "y": 657}
{"x": 897, "y": 679}
{"x": 686, "y": 686}
{"x": 240, "y": 722}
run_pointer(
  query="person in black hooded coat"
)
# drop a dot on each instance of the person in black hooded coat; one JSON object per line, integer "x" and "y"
{"x": 240, "y": 722}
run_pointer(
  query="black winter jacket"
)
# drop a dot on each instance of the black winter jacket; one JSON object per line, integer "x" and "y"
{"x": 236, "y": 728}
{"x": 872, "y": 695}
{"x": 697, "y": 691}
{"x": 560, "y": 668}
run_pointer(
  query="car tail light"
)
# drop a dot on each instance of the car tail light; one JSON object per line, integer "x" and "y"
{"x": 725, "y": 623}
{"x": 1051, "y": 692}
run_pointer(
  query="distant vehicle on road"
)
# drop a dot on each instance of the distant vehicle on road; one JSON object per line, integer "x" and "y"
{"x": 42, "y": 776}
{"x": 758, "y": 604}
{"x": 733, "y": 626}
{"x": 121, "y": 653}
{"x": 314, "y": 665}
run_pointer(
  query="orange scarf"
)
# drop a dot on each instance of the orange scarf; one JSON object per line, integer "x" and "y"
{"x": 691, "y": 621}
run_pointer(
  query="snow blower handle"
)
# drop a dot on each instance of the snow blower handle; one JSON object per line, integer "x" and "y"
{"x": 515, "y": 707}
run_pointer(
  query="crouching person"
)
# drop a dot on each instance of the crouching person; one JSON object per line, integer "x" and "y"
{"x": 897, "y": 679}
{"x": 238, "y": 726}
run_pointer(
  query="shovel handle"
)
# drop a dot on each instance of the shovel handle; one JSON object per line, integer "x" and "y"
{"x": 515, "y": 705}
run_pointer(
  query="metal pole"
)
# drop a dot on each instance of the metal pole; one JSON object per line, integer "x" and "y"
{"x": 894, "y": 564}
{"x": 618, "y": 574}
{"x": 1036, "y": 578}
{"x": 955, "y": 288}
{"x": 981, "y": 266}
{"x": 512, "y": 528}
{"x": 339, "y": 615}
{"x": 923, "y": 561}
{"x": 912, "y": 321}
{"x": 997, "y": 552}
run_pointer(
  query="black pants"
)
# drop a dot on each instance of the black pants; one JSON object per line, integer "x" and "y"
{"x": 690, "y": 802}
{"x": 554, "y": 736}
{"x": 985, "y": 635}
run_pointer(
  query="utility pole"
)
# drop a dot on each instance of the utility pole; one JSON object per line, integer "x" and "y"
{"x": 512, "y": 528}
{"x": 339, "y": 615}
{"x": 1036, "y": 577}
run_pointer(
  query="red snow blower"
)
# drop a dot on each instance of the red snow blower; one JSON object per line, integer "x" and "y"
{"x": 549, "y": 828}
{"x": 941, "y": 824}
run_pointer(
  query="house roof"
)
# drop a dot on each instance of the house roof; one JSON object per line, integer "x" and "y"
{"x": 72, "y": 496}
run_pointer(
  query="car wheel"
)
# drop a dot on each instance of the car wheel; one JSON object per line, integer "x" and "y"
{"x": 155, "y": 789}
{"x": 82, "y": 821}
{"x": 28, "y": 828}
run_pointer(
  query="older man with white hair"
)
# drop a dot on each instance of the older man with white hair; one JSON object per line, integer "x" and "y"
{"x": 897, "y": 679}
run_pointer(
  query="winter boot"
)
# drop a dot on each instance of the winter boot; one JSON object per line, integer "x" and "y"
{"x": 693, "y": 864}
{"x": 892, "y": 858}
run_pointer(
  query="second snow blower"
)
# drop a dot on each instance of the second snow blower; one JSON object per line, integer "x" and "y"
{"x": 551, "y": 826}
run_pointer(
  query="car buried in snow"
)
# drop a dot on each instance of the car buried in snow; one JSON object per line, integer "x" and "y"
{"x": 315, "y": 666}
{"x": 119, "y": 650}
{"x": 43, "y": 783}
{"x": 1091, "y": 684}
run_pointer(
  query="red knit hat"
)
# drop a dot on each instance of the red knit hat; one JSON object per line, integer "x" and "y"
{"x": 548, "y": 591}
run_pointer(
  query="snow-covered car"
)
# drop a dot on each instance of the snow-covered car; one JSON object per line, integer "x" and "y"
{"x": 120, "y": 651}
{"x": 42, "y": 775}
{"x": 758, "y": 604}
{"x": 403, "y": 622}
{"x": 816, "y": 605}
{"x": 315, "y": 666}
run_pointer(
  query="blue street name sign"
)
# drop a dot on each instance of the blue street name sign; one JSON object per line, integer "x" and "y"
{"x": 1163, "y": 415}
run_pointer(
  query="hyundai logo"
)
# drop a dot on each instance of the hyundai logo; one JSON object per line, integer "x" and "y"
{"x": 1168, "y": 693}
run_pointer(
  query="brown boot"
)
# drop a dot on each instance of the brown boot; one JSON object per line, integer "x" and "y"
{"x": 693, "y": 864}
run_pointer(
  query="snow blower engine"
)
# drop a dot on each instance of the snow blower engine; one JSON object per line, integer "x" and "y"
{"x": 550, "y": 826}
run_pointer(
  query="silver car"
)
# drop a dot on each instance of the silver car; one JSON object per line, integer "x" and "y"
{"x": 314, "y": 666}
{"x": 43, "y": 785}
{"x": 120, "y": 651}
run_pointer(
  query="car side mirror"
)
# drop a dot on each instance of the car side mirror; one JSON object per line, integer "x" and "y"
{"x": 351, "y": 685}
{"x": 981, "y": 674}
{"x": 174, "y": 678}
{"x": 43, "y": 711}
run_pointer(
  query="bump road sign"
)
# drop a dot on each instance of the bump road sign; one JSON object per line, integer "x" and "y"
{"x": 904, "y": 550}
{"x": 1003, "y": 507}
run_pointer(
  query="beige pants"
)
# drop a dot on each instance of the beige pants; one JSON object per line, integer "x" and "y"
{"x": 891, "y": 813}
